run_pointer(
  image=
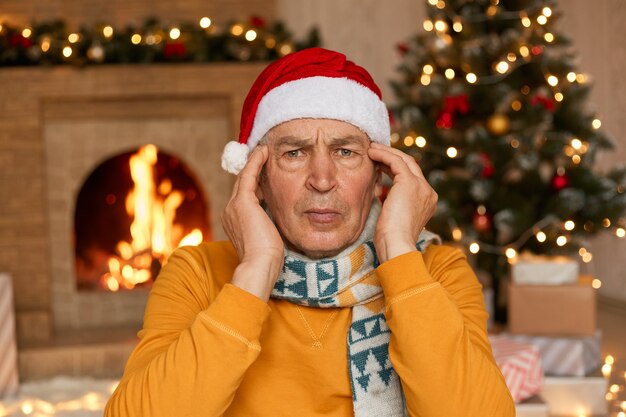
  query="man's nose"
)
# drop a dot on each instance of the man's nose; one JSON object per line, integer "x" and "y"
{"x": 322, "y": 175}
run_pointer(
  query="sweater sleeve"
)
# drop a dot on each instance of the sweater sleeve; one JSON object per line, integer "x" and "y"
{"x": 439, "y": 346}
{"x": 194, "y": 348}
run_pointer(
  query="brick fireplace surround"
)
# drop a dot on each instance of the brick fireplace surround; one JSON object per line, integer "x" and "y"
{"x": 56, "y": 126}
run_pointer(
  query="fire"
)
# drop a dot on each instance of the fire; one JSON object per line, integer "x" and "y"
{"x": 153, "y": 231}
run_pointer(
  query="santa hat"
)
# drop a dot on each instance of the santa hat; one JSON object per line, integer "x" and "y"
{"x": 313, "y": 83}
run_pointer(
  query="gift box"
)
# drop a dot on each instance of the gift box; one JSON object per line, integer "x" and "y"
{"x": 544, "y": 270}
{"x": 520, "y": 365}
{"x": 576, "y": 395}
{"x": 566, "y": 356}
{"x": 8, "y": 350}
{"x": 532, "y": 407}
{"x": 553, "y": 310}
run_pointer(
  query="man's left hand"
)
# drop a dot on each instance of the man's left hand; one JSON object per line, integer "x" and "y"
{"x": 409, "y": 205}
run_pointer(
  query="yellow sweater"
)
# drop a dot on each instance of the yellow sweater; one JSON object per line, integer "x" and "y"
{"x": 209, "y": 348}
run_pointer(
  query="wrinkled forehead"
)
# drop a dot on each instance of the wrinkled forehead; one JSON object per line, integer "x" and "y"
{"x": 309, "y": 131}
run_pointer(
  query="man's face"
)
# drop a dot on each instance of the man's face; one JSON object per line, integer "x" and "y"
{"x": 319, "y": 184}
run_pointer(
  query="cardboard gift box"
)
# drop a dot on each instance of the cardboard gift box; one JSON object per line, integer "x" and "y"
{"x": 520, "y": 365}
{"x": 544, "y": 270}
{"x": 8, "y": 350}
{"x": 532, "y": 407}
{"x": 566, "y": 356}
{"x": 576, "y": 395}
{"x": 553, "y": 310}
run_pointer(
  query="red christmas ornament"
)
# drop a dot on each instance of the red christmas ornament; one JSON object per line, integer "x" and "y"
{"x": 257, "y": 22}
{"x": 453, "y": 105}
{"x": 536, "y": 50}
{"x": 173, "y": 50}
{"x": 559, "y": 182}
{"x": 546, "y": 102}
{"x": 402, "y": 47}
{"x": 488, "y": 168}
{"x": 481, "y": 222}
{"x": 17, "y": 39}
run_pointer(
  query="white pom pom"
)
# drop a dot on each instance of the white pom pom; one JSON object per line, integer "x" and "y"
{"x": 235, "y": 157}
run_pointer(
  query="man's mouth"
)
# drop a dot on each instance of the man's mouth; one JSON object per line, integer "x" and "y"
{"x": 322, "y": 215}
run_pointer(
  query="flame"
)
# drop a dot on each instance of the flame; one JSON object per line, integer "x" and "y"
{"x": 154, "y": 233}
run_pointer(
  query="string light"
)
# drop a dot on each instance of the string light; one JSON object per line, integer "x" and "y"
{"x": 581, "y": 78}
{"x": 420, "y": 141}
{"x": 549, "y": 37}
{"x": 587, "y": 257}
{"x": 27, "y": 32}
{"x": 441, "y": 26}
{"x": 441, "y": 5}
{"x": 541, "y": 236}
{"x": 433, "y": 2}
{"x": 236, "y": 30}
{"x": 596, "y": 123}
{"x": 571, "y": 77}
{"x": 552, "y": 80}
{"x": 408, "y": 141}
{"x": 45, "y": 45}
{"x": 450, "y": 73}
{"x": 547, "y": 11}
{"x": 510, "y": 253}
{"x": 526, "y": 21}
{"x": 471, "y": 77}
{"x": 620, "y": 232}
{"x": 457, "y": 26}
{"x": 569, "y": 225}
{"x": 576, "y": 159}
{"x": 428, "y": 69}
{"x": 174, "y": 33}
{"x": 561, "y": 240}
{"x": 516, "y": 105}
{"x": 136, "y": 39}
{"x": 502, "y": 67}
{"x": 576, "y": 143}
{"x": 474, "y": 247}
{"x": 205, "y": 22}
{"x": 107, "y": 31}
{"x": 425, "y": 79}
{"x": 457, "y": 234}
{"x": 542, "y": 19}
{"x": 73, "y": 37}
{"x": 596, "y": 283}
{"x": 428, "y": 25}
{"x": 511, "y": 57}
{"x": 524, "y": 51}
{"x": 451, "y": 152}
{"x": 251, "y": 35}
{"x": 558, "y": 97}
{"x": 67, "y": 51}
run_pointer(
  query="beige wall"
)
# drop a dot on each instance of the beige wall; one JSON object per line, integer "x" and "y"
{"x": 368, "y": 30}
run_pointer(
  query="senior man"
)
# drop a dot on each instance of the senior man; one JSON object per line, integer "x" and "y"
{"x": 324, "y": 302}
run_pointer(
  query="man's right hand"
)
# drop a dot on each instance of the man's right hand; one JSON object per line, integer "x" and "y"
{"x": 251, "y": 231}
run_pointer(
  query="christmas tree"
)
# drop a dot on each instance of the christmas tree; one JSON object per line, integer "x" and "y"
{"x": 491, "y": 105}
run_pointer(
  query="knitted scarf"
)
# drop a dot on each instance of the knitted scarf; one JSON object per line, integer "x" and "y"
{"x": 349, "y": 280}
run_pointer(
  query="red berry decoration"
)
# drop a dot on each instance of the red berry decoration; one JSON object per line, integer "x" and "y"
{"x": 488, "y": 168}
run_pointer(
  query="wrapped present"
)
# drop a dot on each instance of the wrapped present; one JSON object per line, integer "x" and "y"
{"x": 576, "y": 395}
{"x": 520, "y": 365}
{"x": 566, "y": 356}
{"x": 553, "y": 310}
{"x": 532, "y": 407}
{"x": 8, "y": 350}
{"x": 544, "y": 270}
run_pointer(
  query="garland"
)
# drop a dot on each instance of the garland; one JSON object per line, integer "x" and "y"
{"x": 51, "y": 43}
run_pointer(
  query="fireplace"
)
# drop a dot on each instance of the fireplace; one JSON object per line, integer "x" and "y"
{"x": 67, "y": 124}
{"x": 131, "y": 212}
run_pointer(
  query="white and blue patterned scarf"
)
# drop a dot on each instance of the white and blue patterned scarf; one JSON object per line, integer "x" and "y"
{"x": 349, "y": 280}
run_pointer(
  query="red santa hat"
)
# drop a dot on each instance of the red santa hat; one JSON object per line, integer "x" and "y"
{"x": 313, "y": 83}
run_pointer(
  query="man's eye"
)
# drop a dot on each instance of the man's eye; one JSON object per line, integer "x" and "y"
{"x": 294, "y": 153}
{"x": 345, "y": 152}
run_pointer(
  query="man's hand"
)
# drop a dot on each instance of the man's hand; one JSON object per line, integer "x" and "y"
{"x": 256, "y": 239}
{"x": 411, "y": 202}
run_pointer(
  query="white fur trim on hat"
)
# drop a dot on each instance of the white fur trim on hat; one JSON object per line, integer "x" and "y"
{"x": 235, "y": 157}
{"x": 322, "y": 98}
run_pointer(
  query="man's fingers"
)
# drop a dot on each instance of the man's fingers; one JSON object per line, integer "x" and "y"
{"x": 396, "y": 163}
{"x": 409, "y": 160}
{"x": 248, "y": 178}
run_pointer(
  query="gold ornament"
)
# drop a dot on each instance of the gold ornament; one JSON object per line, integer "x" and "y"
{"x": 498, "y": 124}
